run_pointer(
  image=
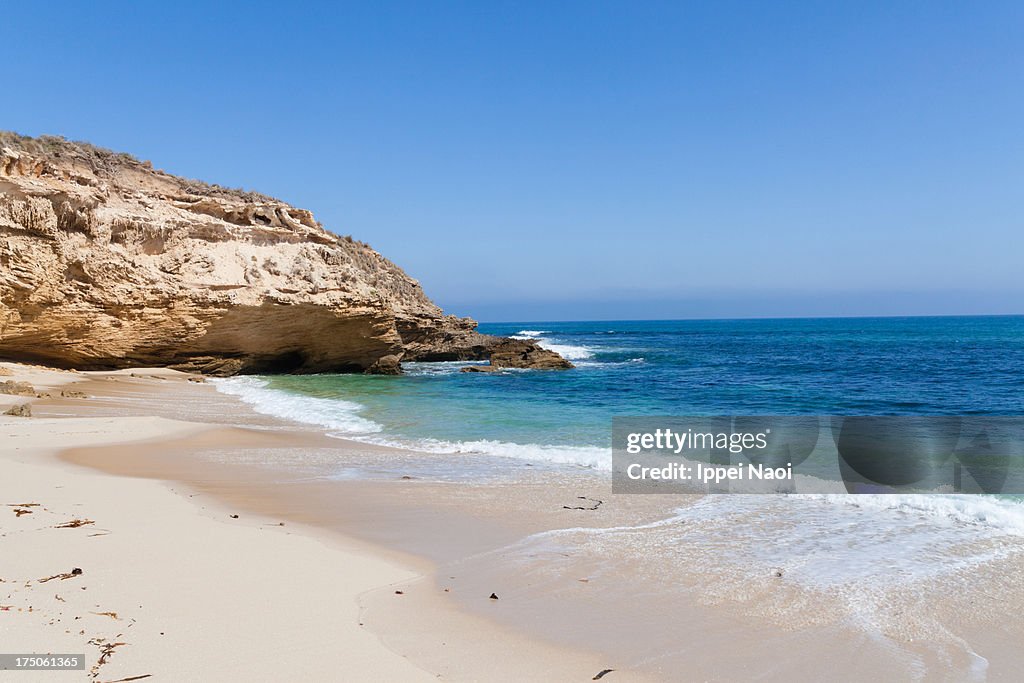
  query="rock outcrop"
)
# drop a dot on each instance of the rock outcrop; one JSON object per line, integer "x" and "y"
{"x": 20, "y": 410}
{"x": 12, "y": 388}
{"x": 106, "y": 262}
{"x": 519, "y": 353}
{"x": 525, "y": 353}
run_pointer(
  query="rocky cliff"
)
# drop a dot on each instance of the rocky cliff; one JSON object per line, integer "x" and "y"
{"x": 106, "y": 262}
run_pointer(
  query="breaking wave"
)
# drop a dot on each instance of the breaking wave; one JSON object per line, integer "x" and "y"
{"x": 342, "y": 419}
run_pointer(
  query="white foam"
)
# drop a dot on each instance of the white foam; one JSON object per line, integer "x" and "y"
{"x": 453, "y": 367}
{"x": 593, "y": 457}
{"x": 1000, "y": 515}
{"x": 342, "y": 418}
{"x": 567, "y": 351}
{"x": 609, "y": 364}
{"x": 335, "y": 414}
{"x": 857, "y": 541}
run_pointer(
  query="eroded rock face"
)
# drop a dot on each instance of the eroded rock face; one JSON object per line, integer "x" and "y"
{"x": 444, "y": 339}
{"x": 108, "y": 263}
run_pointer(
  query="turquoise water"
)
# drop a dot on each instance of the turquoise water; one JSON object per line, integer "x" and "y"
{"x": 942, "y": 365}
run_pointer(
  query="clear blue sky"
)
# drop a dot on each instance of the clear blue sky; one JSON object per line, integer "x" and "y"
{"x": 570, "y": 160}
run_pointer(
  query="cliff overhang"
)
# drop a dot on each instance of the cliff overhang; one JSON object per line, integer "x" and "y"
{"x": 106, "y": 262}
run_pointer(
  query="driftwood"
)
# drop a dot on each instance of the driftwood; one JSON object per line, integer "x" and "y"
{"x": 67, "y": 575}
{"x": 74, "y": 524}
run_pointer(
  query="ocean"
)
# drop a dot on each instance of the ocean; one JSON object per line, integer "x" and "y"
{"x": 865, "y": 553}
{"x": 830, "y": 366}
{"x": 835, "y": 366}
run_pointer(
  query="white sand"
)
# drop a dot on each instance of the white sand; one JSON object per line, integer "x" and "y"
{"x": 198, "y": 596}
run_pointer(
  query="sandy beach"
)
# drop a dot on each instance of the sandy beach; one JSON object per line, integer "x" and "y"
{"x": 213, "y": 546}
{"x": 179, "y": 584}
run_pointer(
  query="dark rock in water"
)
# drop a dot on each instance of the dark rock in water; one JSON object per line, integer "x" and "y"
{"x": 17, "y": 388}
{"x": 519, "y": 353}
{"x": 494, "y": 596}
{"x": 525, "y": 353}
{"x": 480, "y": 368}
{"x": 67, "y": 393}
{"x": 386, "y": 365}
{"x": 23, "y": 410}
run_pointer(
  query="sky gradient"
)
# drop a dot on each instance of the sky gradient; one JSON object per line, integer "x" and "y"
{"x": 615, "y": 160}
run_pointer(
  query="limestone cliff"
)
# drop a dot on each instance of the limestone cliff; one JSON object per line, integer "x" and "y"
{"x": 106, "y": 262}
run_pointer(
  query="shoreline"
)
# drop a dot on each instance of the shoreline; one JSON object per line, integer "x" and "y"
{"x": 264, "y": 551}
{"x": 582, "y": 588}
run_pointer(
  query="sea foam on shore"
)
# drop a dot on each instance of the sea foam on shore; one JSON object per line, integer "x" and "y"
{"x": 341, "y": 417}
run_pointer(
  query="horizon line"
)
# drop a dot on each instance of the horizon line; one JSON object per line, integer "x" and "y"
{"x": 760, "y": 317}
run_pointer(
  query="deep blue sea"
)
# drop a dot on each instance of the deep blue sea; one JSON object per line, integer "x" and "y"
{"x": 836, "y": 366}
